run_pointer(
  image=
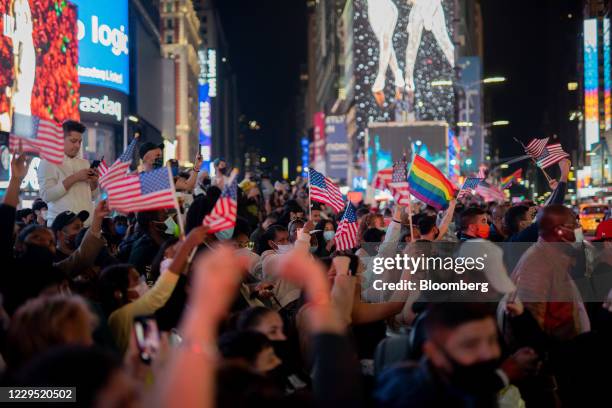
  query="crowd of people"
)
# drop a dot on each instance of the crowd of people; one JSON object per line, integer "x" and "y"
{"x": 131, "y": 312}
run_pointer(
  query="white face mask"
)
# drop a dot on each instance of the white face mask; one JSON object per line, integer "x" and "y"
{"x": 141, "y": 288}
{"x": 579, "y": 236}
{"x": 328, "y": 235}
{"x": 43, "y": 214}
{"x": 283, "y": 249}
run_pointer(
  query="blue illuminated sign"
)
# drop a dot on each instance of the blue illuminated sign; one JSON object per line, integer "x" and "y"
{"x": 305, "y": 154}
{"x": 104, "y": 44}
{"x": 205, "y": 125}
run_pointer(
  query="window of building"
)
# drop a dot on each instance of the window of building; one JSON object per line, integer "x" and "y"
{"x": 169, "y": 23}
{"x": 169, "y": 7}
{"x": 169, "y": 38}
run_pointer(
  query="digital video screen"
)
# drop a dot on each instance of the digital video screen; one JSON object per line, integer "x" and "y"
{"x": 388, "y": 142}
{"x": 400, "y": 48}
{"x": 39, "y": 55}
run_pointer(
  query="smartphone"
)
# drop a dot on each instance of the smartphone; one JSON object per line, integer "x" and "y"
{"x": 147, "y": 338}
{"x": 95, "y": 164}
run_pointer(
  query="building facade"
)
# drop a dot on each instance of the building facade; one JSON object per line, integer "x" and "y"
{"x": 180, "y": 35}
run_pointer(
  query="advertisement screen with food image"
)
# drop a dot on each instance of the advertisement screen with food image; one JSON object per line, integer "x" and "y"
{"x": 39, "y": 54}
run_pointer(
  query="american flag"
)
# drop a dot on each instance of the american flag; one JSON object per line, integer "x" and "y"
{"x": 38, "y": 136}
{"x": 399, "y": 182}
{"x": 102, "y": 168}
{"x": 550, "y": 155}
{"x": 151, "y": 190}
{"x": 383, "y": 178}
{"x": 536, "y": 147}
{"x": 223, "y": 214}
{"x": 346, "y": 234}
{"x": 469, "y": 185}
{"x": 489, "y": 192}
{"x": 120, "y": 167}
{"x": 323, "y": 190}
{"x": 482, "y": 172}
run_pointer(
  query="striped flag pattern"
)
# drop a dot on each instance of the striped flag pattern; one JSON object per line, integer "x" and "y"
{"x": 44, "y": 137}
{"x": 151, "y": 190}
{"x": 536, "y": 147}
{"x": 511, "y": 179}
{"x": 383, "y": 178}
{"x": 346, "y": 234}
{"x": 489, "y": 192}
{"x": 469, "y": 186}
{"x": 550, "y": 155}
{"x": 102, "y": 168}
{"x": 120, "y": 167}
{"x": 323, "y": 190}
{"x": 399, "y": 182}
{"x": 223, "y": 214}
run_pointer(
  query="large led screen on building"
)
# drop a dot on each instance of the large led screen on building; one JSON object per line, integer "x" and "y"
{"x": 402, "y": 49}
{"x": 591, "y": 84}
{"x": 38, "y": 60}
{"x": 104, "y": 43}
{"x": 388, "y": 142}
{"x": 607, "y": 74}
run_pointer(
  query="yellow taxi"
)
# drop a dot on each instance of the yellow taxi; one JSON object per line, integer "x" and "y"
{"x": 591, "y": 215}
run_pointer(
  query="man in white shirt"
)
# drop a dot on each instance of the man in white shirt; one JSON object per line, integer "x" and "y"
{"x": 71, "y": 185}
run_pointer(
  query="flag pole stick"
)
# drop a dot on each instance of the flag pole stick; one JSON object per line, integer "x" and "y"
{"x": 179, "y": 217}
{"x": 410, "y": 202}
{"x": 534, "y": 162}
{"x": 309, "y": 202}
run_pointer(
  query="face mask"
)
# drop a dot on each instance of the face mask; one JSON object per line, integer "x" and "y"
{"x": 283, "y": 249}
{"x": 121, "y": 229}
{"x": 43, "y": 214}
{"x": 478, "y": 378}
{"x": 328, "y": 235}
{"x": 483, "y": 231}
{"x": 281, "y": 349}
{"x": 141, "y": 288}
{"x": 383, "y": 229}
{"x": 158, "y": 163}
{"x": 225, "y": 234}
{"x": 172, "y": 227}
{"x": 222, "y": 170}
{"x": 313, "y": 249}
{"x": 579, "y": 235}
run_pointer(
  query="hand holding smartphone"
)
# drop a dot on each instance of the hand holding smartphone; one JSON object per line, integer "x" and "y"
{"x": 147, "y": 338}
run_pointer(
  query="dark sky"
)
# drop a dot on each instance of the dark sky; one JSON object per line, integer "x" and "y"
{"x": 535, "y": 44}
{"x": 532, "y": 42}
{"x": 267, "y": 41}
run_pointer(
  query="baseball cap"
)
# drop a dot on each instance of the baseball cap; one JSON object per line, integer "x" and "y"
{"x": 66, "y": 218}
{"x": 147, "y": 147}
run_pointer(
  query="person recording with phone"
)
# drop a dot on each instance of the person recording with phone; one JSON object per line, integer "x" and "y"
{"x": 72, "y": 185}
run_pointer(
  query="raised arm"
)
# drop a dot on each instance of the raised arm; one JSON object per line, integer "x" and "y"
{"x": 19, "y": 169}
{"x": 446, "y": 220}
{"x": 190, "y": 380}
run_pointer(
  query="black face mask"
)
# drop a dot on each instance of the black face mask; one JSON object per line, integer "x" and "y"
{"x": 222, "y": 170}
{"x": 281, "y": 349}
{"x": 478, "y": 378}
{"x": 37, "y": 254}
{"x": 158, "y": 163}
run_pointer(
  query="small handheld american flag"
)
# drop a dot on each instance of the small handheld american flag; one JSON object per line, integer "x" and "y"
{"x": 536, "y": 147}
{"x": 151, "y": 190}
{"x": 383, "y": 178}
{"x": 469, "y": 186}
{"x": 346, "y": 234}
{"x": 223, "y": 214}
{"x": 550, "y": 155}
{"x": 323, "y": 190}
{"x": 38, "y": 136}
{"x": 120, "y": 167}
{"x": 399, "y": 182}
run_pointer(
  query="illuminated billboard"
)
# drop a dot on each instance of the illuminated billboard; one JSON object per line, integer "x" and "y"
{"x": 402, "y": 50}
{"x": 607, "y": 74}
{"x": 591, "y": 83}
{"x": 39, "y": 54}
{"x": 318, "y": 154}
{"x": 205, "y": 125}
{"x": 388, "y": 142}
{"x": 336, "y": 147}
{"x": 104, "y": 44}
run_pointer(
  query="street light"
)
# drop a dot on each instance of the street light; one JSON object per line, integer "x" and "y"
{"x": 500, "y": 123}
{"x": 494, "y": 80}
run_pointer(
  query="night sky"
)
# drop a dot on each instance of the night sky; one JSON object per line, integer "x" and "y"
{"x": 532, "y": 42}
{"x": 267, "y": 41}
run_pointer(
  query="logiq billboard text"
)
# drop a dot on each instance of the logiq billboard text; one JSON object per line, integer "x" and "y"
{"x": 103, "y": 44}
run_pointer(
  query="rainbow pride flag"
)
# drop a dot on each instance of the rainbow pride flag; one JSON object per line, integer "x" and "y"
{"x": 514, "y": 177}
{"x": 429, "y": 185}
